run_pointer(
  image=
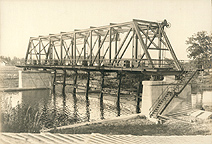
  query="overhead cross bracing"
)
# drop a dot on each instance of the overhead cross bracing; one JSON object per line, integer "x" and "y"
{"x": 132, "y": 46}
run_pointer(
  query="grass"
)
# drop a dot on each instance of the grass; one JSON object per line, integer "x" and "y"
{"x": 140, "y": 126}
{"x": 23, "y": 118}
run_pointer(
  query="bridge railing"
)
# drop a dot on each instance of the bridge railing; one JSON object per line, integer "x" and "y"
{"x": 124, "y": 62}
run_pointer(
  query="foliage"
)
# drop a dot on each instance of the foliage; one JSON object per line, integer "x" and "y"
{"x": 23, "y": 118}
{"x": 12, "y": 61}
{"x": 200, "y": 48}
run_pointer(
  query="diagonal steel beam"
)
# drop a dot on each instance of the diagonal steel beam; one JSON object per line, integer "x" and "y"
{"x": 66, "y": 48}
{"x": 47, "y": 54}
{"x": 100, "y": 46}
{"x": 126, "y": 47}
{"x": 27, "y": 53}
{"x": 108, "y": 48}
{"x": 56, "y": 52}
{"x": 44, "y": 47}
{"x": 121, "y": 46}
{"x": 143, "y": 45}
{"x": 176, "y": 62}
{"x": 34, "y": 48}
{"x": 151, "y": 42}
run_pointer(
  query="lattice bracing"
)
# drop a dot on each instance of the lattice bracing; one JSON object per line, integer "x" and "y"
{"x": 132, "y": 44}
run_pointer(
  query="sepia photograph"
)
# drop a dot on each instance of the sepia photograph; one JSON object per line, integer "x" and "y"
{"x": 106, "y": 71}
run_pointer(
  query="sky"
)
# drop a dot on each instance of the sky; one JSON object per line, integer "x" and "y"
{"x": 22, "y": 19}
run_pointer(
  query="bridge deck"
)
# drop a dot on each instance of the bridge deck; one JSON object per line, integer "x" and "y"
{"x": 146, "y": 70}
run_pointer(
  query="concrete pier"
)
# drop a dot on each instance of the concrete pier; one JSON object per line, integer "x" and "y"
{"x": 153, "y": 89}
{"x": 35, "y": 79}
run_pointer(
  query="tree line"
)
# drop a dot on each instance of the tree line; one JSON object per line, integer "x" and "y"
{"x": 11, "y": 61}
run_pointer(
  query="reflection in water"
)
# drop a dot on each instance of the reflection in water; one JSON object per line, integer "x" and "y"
{"x": 75, "y": 98}
{"x": 36, "y": 98}
{"x": 31, "y": 111}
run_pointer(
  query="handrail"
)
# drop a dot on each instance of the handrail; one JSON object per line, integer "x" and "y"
{"x": 131, "y": 63}
{"x": 153, "y": 107}
{"x": 167, "y": 89}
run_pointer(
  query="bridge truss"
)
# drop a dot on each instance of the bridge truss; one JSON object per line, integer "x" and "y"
{"x": 118, "y": 50}
{"x": 137, "y": 45}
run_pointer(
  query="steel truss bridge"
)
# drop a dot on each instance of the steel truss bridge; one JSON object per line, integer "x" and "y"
{"x": 140, "y": 48}
{"x": 136, "y": 46}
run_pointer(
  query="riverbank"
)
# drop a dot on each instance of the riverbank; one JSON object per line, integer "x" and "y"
{"x": 141, "y": 126}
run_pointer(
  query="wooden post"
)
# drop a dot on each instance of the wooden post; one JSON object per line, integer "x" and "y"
{"x": 63, "y": 90}
{"x": 139, "y": 90}
{"x": 119, "y": 75}
{"x": 54, "y": 98}
{"x": 54, "y": 84}
{"x": 86, "y": 95}
{"x": 101, "y": 96}
{"x": 74, "y": 97}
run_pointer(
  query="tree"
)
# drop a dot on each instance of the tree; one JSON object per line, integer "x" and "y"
{"x": 200, "y": 48}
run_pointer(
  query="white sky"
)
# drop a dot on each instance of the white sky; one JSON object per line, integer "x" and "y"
{"x": 22, "y": 19}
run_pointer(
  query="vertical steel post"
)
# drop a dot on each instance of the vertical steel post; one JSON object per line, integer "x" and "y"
{"x": 159, "y": 45}
{"x": 99, "y": 54}
{"x": 39, "y": 54}
{"x": 85, "y": 48}
{"x": 63, "y": 90}
{"x": 133, "y": 47}
{"x": 136, "y": 47}
{"x": 30, "y": 56}
{"x": 116, "y": 43}
{"x": 86, "y": 96}
{"x": 61, "y": 51}
{"x": 50, "y": 53}
{"x": 139, "y": 91}
{"x": 110, "y": 49}
{"x": 72, "y": 52}
{"x": 119, "y": 75}
{"x": 101, "y": 96}
{"x": 91, "y": 47}
{"x": 75, "y": 49}
{"x": 74, "y": 96}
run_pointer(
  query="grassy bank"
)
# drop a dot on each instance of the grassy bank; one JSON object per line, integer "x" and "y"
{"x": 140, "y": 126}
